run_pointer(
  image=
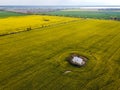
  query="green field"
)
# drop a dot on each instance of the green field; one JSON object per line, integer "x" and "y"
{"x": 4, "y": 14}
{"x": 87, "y": 14}
{"x": 35, "y": 60}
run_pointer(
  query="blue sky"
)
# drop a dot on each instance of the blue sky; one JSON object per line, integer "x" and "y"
{"x": 59, "y": 2}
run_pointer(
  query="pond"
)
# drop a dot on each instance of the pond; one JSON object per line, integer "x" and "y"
{"x": 78, "y": 60}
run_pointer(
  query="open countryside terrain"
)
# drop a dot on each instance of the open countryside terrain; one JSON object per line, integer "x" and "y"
{"x": 101, "y": 14}
{"x": 5, "y": 14}
{"x": 36, "y": 59}
{"x": 13, "y": 25}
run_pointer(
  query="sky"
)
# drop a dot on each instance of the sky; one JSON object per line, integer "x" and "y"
{"x": 60, "y": 2}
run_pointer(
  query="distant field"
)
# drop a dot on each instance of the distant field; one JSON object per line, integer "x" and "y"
{"x": 4, "y": 14}
{"x": 35, "y": 60}
{"x": 22, "y": 23}
{"x": 87, "y": 14}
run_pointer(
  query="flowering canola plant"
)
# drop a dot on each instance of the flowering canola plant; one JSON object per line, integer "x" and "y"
{"x": 21, "y": 23}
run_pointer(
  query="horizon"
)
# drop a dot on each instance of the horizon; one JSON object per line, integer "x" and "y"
{"x": 60, "y": 3}
{"x": 67, "y": 5}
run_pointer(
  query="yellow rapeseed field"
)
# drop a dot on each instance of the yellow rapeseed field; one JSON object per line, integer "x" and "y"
{"x": 16, "y": 24}
{"x": 37, "y": 60}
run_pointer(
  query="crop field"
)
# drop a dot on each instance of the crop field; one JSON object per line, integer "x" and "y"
{"x": 36, "y": 60}
{"x": 22, "y": 23}
{"x": 87, "y": 14}
{"x": 5, "y": 14}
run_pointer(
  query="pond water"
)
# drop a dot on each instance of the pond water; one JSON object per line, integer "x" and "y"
{"x": 78, "y": 60}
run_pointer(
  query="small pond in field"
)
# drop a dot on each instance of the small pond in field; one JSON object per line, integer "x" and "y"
{"x": 76, "y": 60}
